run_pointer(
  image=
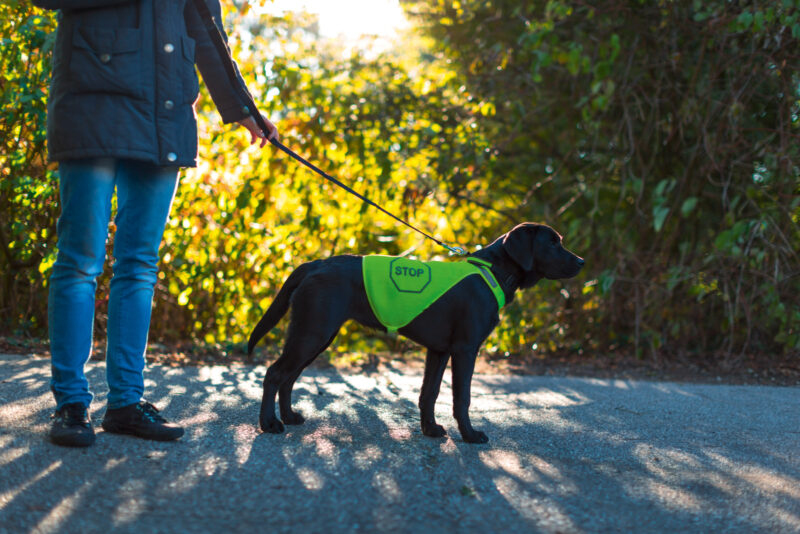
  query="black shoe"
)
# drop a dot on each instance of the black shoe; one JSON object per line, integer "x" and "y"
{"x": 141, "y": 420}
{"x": 72, "y": 426}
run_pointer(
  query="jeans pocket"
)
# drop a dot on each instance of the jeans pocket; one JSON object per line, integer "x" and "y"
{"x": 106, "y": 60}
{"x": 191, "y": 85}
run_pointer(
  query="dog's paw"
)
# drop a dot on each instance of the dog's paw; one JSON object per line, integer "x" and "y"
{"x": 476, "y": 436}
{"x": 293, "y": 418}
{"x": 273, "y": 426}
{"x": 434, "y": 431}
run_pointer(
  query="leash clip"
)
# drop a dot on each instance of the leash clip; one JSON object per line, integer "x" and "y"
{"x": 455, "y": 250}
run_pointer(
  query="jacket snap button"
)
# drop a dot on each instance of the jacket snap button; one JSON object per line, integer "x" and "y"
{"x": 169, "y": 48}
{"x": 172, "y": 156}
{"x": 105, "y": 58}
{"x": 169, "y": 104}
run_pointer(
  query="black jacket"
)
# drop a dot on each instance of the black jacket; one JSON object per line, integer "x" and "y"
{"x": 124, "y": 81}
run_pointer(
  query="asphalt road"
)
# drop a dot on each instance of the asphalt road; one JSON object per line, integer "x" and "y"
{"x": 565, "y": 455}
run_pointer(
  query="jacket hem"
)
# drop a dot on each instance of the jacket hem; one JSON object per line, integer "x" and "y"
{"x": 139, "y": 155}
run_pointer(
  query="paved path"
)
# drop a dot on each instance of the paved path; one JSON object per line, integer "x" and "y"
{"x": 566, "y": 455}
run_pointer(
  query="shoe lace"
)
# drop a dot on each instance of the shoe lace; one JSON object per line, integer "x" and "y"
{"x": 75, "y": 414}
{"x": 150, "y": 412}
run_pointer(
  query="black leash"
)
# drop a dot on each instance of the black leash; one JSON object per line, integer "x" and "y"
{"x": 224, "y": 53}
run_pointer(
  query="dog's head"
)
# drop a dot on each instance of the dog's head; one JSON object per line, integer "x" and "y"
{"x": 538, "y": 251}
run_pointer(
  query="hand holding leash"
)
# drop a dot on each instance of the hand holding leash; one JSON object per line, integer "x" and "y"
{"x": 256, "y": 133}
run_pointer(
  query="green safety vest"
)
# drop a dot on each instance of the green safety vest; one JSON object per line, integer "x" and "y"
{"x": 399, "y": 289}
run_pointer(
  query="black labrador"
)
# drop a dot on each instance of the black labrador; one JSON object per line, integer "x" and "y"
{"x": 323, "y": 294}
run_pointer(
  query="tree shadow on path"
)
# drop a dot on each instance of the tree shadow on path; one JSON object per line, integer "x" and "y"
{"x": 566, "y": 455}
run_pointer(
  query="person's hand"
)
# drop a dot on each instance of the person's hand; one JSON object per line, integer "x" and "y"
{"x": 255, "y": 132}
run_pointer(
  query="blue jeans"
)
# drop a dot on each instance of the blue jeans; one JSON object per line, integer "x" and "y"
{"x": 144, "y": 196}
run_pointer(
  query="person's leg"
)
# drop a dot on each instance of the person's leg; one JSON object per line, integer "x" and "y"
{"x": 86, "y": 187}
{"x": 144, "y": 197}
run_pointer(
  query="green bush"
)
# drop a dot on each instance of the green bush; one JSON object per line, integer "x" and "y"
{"x": 659, "y": 137}
{"x": 662, "y": 139}
{"x": 28, "y": 188}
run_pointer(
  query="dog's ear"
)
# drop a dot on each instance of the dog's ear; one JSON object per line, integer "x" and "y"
{"x": 518, "y": 243}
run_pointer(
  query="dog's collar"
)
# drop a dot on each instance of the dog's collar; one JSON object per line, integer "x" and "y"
{"x": 510, "y": 279}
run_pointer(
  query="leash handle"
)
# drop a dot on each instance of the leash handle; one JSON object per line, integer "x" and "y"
{"x": 227, "y": 61}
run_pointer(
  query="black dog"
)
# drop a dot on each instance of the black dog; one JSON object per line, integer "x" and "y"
{"x": 325, "y": 293}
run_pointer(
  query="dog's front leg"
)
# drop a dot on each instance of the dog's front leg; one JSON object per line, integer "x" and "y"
{"x": 435, "y": 363}
{"x": 463, "y": 366}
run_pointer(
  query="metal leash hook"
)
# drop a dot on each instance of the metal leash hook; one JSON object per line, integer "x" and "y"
{"x": 458, "y": 251}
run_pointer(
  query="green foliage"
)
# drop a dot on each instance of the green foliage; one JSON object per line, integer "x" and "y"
{"x": 243, "y": 220}
{"x": 27, "y": 186}
{"x": 659, "y": 137}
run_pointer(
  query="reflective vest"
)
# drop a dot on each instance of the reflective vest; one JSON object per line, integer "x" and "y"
{"x": 399, "y": 289}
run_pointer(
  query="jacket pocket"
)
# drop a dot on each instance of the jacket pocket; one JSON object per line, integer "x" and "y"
{"x": 106, "y": 60}
{"x": 191, "y": 85}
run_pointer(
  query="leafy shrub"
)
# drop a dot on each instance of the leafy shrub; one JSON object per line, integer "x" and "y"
{"x": 659, "y": 137}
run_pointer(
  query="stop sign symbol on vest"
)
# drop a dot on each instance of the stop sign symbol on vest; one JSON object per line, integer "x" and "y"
{"x": 409, "y": 276}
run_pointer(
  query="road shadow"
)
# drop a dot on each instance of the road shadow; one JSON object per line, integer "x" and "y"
{"x": 566, "y": 455}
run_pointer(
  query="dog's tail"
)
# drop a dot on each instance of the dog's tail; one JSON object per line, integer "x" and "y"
{"x": 279, "y": 306}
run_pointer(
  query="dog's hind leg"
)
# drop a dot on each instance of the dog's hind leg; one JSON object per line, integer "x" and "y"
{"x": 289, "y": 416}
{"x": 311, "y": 330}
{"x": 266, "y": 417}
{"x": 297, "y": 353}
{"x": 435, "y": 364}
{"x": 284, "y": 371}
{"x": 463, "y": 366}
